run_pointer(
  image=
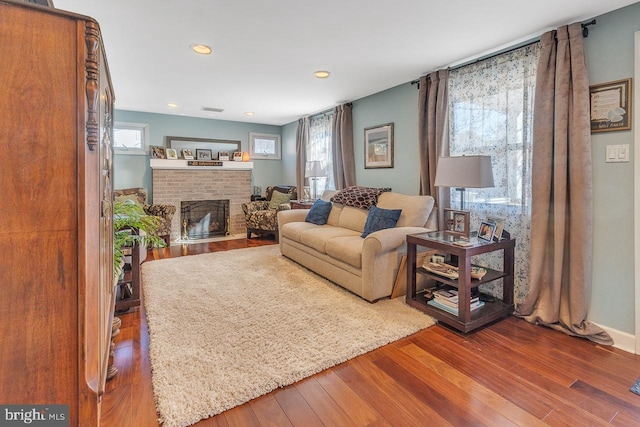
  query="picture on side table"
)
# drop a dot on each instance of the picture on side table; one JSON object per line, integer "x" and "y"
{"x": 456, "y": 223}
{"x": 486, "y": 231}
{"x": 203, "y": 154}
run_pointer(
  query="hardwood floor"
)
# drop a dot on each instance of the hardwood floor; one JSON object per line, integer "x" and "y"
{"x": 510, "y": 373}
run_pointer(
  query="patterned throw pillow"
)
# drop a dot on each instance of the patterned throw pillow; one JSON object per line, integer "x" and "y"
{"x": 358, "y": 197}
{"x": 379, "y": 219}
{"x": 278, "y": 198}
{"x": 319, "y": 212}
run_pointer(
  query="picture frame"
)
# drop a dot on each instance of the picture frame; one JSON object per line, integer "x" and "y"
{"x": 378, "y": 146}
{"x": 499, "y": 222}
{"x": 187, "y": 154}
{"x": 223, "y": 155}
{"x": 157, "y": 152}
{"x": 486, "y": 231}
{"x": 610, "y": 105}
{"x": 265, "y": 146}
{"x": 457, "y": 223}
{"x": 203, "y": 154}
{"x": 171, "y": 153}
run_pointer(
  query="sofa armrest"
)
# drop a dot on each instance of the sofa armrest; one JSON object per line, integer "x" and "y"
{"x": 291, "y": 215}
{"x": 389, "y": 238}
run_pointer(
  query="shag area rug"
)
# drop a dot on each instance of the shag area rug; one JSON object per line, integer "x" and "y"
{"x": 227, "y": 327}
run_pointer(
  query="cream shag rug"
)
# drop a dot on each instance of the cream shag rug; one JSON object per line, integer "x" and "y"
{"x": 227, "y": 327}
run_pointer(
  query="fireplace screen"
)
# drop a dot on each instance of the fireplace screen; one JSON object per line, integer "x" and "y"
{"x": 203, "y": 219}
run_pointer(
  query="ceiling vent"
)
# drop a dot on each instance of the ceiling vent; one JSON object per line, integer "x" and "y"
{"x": 213, "y": 110}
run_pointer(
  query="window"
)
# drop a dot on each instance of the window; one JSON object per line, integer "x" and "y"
{"x": 491, "y": 113}
{"x": 319, "y": 148}
{"x": 264, "y": 146}
{"x": 130, "y": 138}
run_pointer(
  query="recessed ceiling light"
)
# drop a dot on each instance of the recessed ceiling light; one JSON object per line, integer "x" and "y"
{"x": 321, "y": 74}
{"x": 172, "y": 105}
{"x": 202, "y": 49}
{"x": 249, "y": 113}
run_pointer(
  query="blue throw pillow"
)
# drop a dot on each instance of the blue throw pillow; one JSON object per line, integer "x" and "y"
{"x": 319, "y": 212}
{"x": 379, "y": 219}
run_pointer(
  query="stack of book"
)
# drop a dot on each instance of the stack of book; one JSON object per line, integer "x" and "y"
{"x": 447, "y": 300}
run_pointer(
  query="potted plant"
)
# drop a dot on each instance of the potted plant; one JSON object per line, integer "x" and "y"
{"x": 131, "y": 225}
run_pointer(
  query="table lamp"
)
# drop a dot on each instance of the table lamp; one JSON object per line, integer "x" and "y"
{"x": 314, "y": 170}
{"x": 463, "y": 172}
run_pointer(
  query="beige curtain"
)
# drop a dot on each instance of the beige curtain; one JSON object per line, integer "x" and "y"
{"x": 344, "y": 168}
{"x": 302, "y": 139}
{"x": 433, "y": 131}
{"x": 561, "y": 222}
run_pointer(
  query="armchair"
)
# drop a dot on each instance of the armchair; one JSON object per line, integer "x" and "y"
{"x": 165, "y": 212}
{"x": 261, "y": 216}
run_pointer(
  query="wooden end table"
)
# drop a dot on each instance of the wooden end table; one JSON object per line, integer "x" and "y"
{"x": 466, "y": 320}
{"x": 299, "y": 204}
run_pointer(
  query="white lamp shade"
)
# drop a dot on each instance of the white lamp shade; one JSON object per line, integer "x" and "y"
{"x": 314, "y": 169}
{"x": 464, "y": 171}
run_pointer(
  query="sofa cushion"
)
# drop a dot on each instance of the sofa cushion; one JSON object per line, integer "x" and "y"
{"x": 415, "y": 209}
{"x": 317, "y": 237}
{"x": 278, "y": 198}
{"x": 347, "y": 249}
{"x": 293, "y": 230}
{"x": 353, "y": 218}
{"x": 379, "y": 219}
{"x": 319, "y": 212}
{"x": 358, "y": 197}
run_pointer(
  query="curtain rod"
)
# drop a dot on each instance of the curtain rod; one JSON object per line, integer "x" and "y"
{"x": 585, "y": 33}
{"x": 328, "y": 110}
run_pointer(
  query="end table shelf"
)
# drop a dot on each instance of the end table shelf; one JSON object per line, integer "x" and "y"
{"x": 466, "y": 320}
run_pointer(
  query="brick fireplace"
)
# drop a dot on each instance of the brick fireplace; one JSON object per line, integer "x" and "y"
{"x": 173, "y": 186}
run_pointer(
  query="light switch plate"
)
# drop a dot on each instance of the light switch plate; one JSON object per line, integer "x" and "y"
{"x": 617, "y": 153}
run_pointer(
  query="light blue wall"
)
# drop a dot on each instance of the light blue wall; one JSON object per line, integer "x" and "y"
{"x": 133, "y": 171}
{"x": 610, "y": 56}
{"x": 609, "y": 50}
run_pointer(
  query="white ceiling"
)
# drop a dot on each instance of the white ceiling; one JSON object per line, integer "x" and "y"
{"x": 265, "y": 52}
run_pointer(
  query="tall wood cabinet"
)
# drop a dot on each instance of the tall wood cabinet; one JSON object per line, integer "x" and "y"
{"x": 56, "y": 220}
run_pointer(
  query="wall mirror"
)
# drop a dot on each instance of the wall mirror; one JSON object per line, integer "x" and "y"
{"x": 215, "y": 145}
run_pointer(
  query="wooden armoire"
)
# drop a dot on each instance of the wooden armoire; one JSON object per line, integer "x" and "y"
{"x": 56, "y": 220}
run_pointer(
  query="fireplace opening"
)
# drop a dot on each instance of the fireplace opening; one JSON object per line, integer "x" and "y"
{"x": 203, "y": 219}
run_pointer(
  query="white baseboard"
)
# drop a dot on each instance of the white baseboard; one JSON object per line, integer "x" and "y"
{"x": 622, "y": 340}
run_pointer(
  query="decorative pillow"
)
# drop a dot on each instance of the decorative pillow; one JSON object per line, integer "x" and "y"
{"x": 278, "y": 198}
{"x": 379, "y": 219}
{"x": 319, "y": 212}
{"x": 358, "y": 197}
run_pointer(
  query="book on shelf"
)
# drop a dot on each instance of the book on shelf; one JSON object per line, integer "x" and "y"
{"x": 453, "y": 310}
{"x": 450, "y": 296}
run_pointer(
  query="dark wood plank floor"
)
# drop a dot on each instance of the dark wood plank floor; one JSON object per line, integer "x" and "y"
{"x": 510, "y": 373}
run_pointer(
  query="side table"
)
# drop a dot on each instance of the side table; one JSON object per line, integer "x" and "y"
{"x": 299, "y": 204}
{"x": 466, "y": 320}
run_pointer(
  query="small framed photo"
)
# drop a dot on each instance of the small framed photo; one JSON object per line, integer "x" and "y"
{"x": 457, "y": 223}
{"x": 172, "y": 153}
{"x": 486, "y": 232}
{"x": 499, "y": 222}
{"x": 157, "y": 152}
{"x": 223, "y": 155}
{"x": 187, "y": 154}
{"x": 378, "y": 146}
{"x": 203, "y": 154}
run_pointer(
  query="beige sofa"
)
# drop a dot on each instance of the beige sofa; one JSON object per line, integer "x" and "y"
{"x": 365, "y": 266}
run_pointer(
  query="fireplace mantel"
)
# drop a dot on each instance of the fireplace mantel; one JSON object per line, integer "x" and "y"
{"x": 182, "y": 164}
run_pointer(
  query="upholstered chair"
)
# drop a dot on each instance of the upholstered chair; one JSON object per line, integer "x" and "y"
{"x": 261, "y": 216}
{"x": 164, "y": 212}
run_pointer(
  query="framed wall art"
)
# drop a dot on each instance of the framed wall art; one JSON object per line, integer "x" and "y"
{"x": 457, "y": 223}
{"x": 610, "y": 106}
{"x": 378, "y": 146}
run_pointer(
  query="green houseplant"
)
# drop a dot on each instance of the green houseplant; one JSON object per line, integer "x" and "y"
{"x": 131, "y": 225}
